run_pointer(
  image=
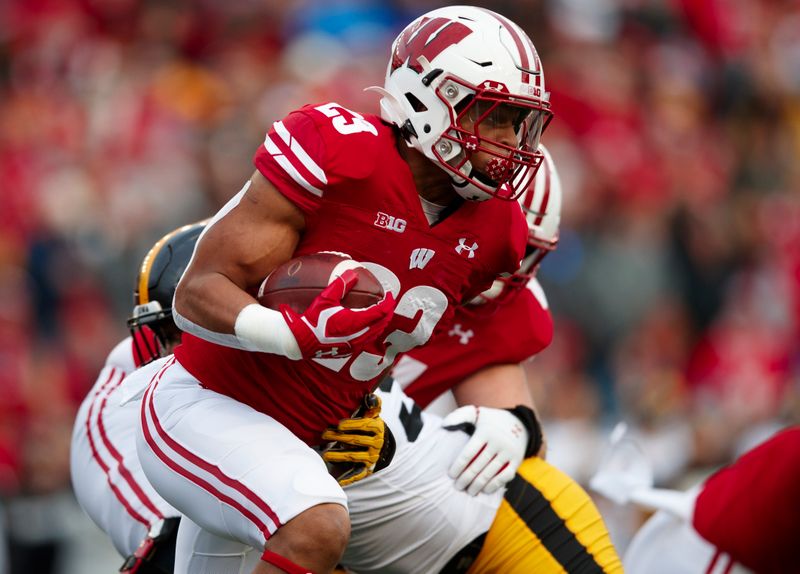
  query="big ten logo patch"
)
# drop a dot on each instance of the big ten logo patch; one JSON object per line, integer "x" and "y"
{"x": 390, "y": 222}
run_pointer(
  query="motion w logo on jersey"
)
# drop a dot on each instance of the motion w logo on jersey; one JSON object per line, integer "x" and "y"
{"x": 420, "y": 257}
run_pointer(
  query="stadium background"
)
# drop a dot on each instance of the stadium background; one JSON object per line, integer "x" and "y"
{"x": 675, "y": 288}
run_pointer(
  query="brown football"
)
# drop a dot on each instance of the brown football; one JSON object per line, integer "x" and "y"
{"x": 298, "y": 281}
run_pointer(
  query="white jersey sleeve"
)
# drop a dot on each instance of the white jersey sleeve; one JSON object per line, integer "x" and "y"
{"x": 107, "y": 477}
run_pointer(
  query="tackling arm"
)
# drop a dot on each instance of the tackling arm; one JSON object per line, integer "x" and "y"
{"x": 504, "y": 428}
{"x": 499, "y": 386}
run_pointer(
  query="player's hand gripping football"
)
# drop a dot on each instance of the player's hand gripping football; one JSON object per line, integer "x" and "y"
{"x": 327, "y": 329}
{"x": 360, "y": 445}
{"x": 500, "y": 441}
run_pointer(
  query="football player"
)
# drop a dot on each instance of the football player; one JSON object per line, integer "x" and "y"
{"x": 115, "y": 509}
{"x": 230, "y": 424}
{"x": 412, "y": 517}
{"x": 743, "y": 518}
{"x": 106, "y": 475}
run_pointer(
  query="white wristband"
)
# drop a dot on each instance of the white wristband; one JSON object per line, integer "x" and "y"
{"x": 259, "y": 328}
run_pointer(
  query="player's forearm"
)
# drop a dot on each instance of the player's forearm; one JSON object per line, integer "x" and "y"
{"x": 211, "y": 301}
{"x": 207, "y": 306}
{"x": 498, "y": 386}
{"x": 214, "y": 308}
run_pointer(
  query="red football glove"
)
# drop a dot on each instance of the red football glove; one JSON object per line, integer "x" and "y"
{"x": 328, "y": 330}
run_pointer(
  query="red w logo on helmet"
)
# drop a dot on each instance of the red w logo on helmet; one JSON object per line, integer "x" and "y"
{"x": 428, "y": 39}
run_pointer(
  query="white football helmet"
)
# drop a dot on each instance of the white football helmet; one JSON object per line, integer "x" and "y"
{"x": 541, "y": 204}
{"x": 464, "y": 65}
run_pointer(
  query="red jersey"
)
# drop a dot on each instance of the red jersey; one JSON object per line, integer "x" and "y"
{"x": 508, "y": 330}
{"x": 344, "y": 172}
{"x": 751, "y": 509}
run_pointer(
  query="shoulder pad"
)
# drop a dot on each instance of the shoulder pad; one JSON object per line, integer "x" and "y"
{"x": 121, "y": 356}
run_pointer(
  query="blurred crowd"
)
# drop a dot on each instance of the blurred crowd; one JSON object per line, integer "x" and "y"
{"x": 675, "y": 287}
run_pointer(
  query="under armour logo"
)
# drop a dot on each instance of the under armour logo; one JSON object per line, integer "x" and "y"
{"x": 471, "y": 144}
{"x": 334, "y": 352}
{"x": 496, "y": 86}
{"x": 470, "y": 249}
{"x": 420, "y": 257}
{"x": 463, "y": 336}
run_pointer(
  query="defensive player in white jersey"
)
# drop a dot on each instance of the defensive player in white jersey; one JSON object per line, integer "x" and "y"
{"x": 106, "y": 475}
{"x": 412, "y": 517}
{"x": 229, "y": 424}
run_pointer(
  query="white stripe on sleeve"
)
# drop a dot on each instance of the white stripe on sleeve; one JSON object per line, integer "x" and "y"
{"x": 287, "y": 166}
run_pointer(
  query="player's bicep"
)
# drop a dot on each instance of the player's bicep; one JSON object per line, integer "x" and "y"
{"x": 255, "y": 232}
{"x": 260, "y": 232}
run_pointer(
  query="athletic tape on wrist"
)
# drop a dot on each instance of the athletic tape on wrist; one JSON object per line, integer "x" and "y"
{"x": 259, "y": 328}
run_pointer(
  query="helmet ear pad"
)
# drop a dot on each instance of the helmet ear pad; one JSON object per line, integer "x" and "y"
{"x": 421, "y": 108}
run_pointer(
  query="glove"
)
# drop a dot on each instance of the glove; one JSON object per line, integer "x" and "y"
{"x": 326, "y": 329}
{"x": 499, "y": 443}
{"x": 361, "y": 445}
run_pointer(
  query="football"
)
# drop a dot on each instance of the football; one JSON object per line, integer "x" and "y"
{"x": 298, "y": 281}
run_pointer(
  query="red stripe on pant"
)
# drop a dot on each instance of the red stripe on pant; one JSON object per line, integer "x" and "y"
{"x": 123, "y": 470}
{"x": 148, "y": 406}
{"x": 123, "y": 500}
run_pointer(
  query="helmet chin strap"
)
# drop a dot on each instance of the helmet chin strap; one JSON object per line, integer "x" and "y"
{"x": 464, "y": 186}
